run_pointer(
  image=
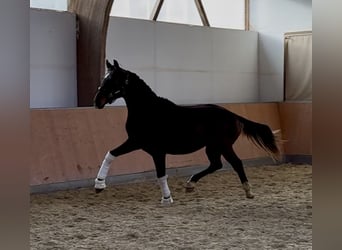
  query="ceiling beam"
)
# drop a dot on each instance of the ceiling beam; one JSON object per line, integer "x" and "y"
{"x": 247, "y": 10}
{"x": 156, "y": 10}
{"x": 202, "y": 13}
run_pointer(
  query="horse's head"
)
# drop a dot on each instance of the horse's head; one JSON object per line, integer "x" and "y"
{"x": 112, "y": 86}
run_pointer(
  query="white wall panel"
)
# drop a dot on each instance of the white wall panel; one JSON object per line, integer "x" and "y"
{"x": 185, "y": 87}
{"x": 52, "y": 59}
{"x": 183, "y": 47}
{"x": 189, "y": 64}
{"x": 235, "y": 50}
{"x": 131, "y": 42}
{"x": 234, "y": 87}
{"x": 271, "y": 87}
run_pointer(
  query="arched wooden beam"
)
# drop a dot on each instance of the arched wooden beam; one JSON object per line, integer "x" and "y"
{"x": 93, "y": 18}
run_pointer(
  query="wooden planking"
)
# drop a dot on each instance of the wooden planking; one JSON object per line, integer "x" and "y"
{"x": 69, "y": 144}
{"x": 296, "y": 121}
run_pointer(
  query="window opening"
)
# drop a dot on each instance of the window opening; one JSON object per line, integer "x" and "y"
{"x": 226, "y": 13}
{"x": 140, "y": 9}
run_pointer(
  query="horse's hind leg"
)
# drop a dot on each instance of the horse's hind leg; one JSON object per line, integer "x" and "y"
{"x": 237, "y": 165}
{"x": 214, "y": 156}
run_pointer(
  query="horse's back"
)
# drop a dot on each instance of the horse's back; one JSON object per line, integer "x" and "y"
{"x": 209, "y": 113}
{"x": 202, "y": 124}
{"x": 181, "y": 129}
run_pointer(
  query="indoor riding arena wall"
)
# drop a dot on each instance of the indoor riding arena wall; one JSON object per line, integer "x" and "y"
{"x": 68, "y": 145}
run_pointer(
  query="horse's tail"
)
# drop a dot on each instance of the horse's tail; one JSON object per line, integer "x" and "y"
{"x": 261, "y": 135}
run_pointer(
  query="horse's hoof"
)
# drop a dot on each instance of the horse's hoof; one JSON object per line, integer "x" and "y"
{"x": 189, "y": 187}
{"x": 250, "y": 196}
{"x": 247, "y": 189}
{"x": 100, "y": 184}
{"x": 98, "y": 190}
{"x": 166, "y": 201}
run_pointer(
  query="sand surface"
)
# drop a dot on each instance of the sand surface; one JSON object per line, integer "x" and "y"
{"x": 216, "y": 216}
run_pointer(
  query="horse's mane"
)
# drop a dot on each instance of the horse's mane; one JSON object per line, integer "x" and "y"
{"x": 140, "y": 85}
{"x": 145, "y": 90}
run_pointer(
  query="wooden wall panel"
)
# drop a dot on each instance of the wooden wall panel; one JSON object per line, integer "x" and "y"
{"x": 296, "y": 122}
{"x": 69, "y": 144}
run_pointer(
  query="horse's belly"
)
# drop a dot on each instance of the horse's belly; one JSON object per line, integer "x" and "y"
{"x": 180, "y": 144}
{"x": 177, "y": 149}
{"x": 186, "y": 135}
{"x": 170, "y": 143}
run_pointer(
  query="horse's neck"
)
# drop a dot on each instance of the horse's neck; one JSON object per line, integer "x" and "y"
{"x": 140, "y": 95}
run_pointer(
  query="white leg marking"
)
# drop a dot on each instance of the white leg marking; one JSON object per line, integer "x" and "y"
{"x": 100, "y": 184}
{"x": 166, "y": 194}
{"x": 166, "y": 201}
{"x": 102, "y": 174}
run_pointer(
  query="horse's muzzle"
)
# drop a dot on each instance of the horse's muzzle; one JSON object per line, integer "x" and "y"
{"x": 99, "y": 101}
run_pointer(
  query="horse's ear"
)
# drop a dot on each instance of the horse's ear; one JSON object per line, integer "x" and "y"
{"x": 109, "y": 66}
{"x": 116, "y": 64}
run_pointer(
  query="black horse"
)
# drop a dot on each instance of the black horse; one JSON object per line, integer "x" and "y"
{"x": 159, "y": 127}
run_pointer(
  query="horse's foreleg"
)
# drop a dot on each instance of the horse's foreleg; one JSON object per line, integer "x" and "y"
{"x": 100, "y": 183}
{"x": 126, "y": 147}
{"x": 159, "y": 161}
{"x": 166, "y": 193}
